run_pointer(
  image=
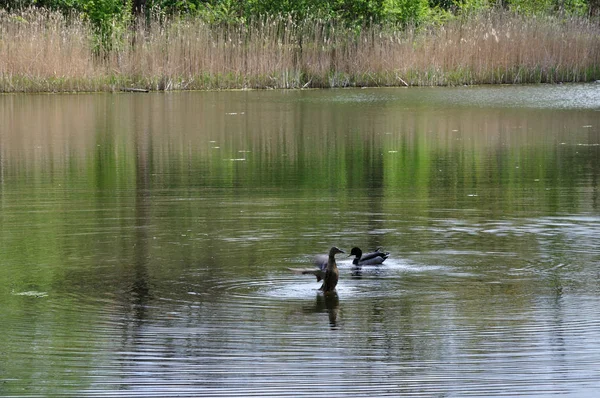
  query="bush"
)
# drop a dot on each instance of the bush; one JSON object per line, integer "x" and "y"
{"x": 406, "y": 12}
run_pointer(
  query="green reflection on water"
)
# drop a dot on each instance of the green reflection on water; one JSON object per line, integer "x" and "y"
{"x": 109, "y": 166}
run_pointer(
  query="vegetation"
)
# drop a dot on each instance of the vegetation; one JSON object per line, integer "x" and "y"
{"x": 85, "y": 45}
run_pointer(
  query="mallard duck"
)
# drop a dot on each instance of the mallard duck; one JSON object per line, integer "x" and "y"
{"x": 326, "y": 270}
{"x": 374, "y": 258}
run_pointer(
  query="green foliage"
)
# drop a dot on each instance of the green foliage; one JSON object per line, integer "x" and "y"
{"x": 545, "y": 7}
{"x": 355, "y": 13}
{"x": 359, "y": 12}
{"x": 111, "y": 19}
{"x": 406, "y": 12}
{"x": 177, "y": 6}
{"x": 226, "y": 11}
{"x": 474, "y": 6}
{"x": 300, "y": 9}
{"x": 531, "y": 7}
{"x": 579, "y": 7}
{"x": 442, "y": 4}
{"x": 101, "y": 12}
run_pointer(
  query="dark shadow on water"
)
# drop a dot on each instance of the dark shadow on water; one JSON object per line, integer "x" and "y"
{"x": 356, "y": 272}
{"x": 140, "y": 290}
{"x": 329, "y": 303}
{"x": 359, "y": 272}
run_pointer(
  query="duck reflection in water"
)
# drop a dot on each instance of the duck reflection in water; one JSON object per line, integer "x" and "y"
{"x": 329, "y": 303}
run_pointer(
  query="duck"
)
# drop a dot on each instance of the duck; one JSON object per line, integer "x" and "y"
{"x": 326, "y": 270}
{"x": 373, "y": 258}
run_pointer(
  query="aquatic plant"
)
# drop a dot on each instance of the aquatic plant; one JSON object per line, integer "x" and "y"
{"x": 47, "y": 51}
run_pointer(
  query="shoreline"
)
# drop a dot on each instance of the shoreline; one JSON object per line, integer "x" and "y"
{"x": 143, "y": 90}
{"x": 136, "y": 91}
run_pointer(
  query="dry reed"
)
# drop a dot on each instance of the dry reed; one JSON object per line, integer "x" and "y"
{"x": 45, "y": 51}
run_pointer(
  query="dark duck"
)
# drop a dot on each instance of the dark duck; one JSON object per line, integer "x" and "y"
{"x": 370, "y": 259}
{"x": 373, "y": 258}
{"x": 326, "y": 270}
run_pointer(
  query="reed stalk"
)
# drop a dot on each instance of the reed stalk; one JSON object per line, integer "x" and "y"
{"x": 46, "y": 51}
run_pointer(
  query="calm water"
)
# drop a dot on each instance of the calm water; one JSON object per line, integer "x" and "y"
{"x": 145, "y": 242}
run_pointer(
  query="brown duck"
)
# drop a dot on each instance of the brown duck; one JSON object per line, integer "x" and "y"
{"x": 326, "y": 270}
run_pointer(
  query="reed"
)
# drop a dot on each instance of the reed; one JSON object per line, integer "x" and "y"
{"x": 46, "y": 51}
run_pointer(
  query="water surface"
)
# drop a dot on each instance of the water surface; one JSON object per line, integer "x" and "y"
{"x": 145, "y": 242}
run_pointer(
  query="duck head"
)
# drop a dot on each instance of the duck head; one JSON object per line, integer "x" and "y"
{"x": 356, "y": 252}
{"x": 334, "y": 250}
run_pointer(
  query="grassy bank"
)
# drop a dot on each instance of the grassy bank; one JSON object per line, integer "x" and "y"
{"x": 45, "y": 51}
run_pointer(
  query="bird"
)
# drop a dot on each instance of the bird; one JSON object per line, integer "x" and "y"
{"x": 326, "y": 270}
{"x": 374, "y": 258}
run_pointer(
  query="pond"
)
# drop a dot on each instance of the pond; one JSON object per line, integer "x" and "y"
{"x": 146, "y": 241}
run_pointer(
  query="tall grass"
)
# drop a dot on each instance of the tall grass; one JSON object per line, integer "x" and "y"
{"x": 45, "y": 51}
